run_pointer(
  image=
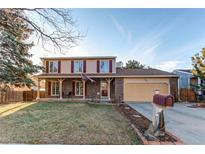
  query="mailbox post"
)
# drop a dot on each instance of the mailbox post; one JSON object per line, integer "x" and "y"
{"x": 160, "y": 102}
{"x": 154, "y": 116}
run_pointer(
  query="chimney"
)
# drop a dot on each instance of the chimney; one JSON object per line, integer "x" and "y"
{"x": 119, "y": 64}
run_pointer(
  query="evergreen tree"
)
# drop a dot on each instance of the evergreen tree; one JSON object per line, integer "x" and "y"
{"x": 15, "y": 62}
{"x": 133, "y": 64}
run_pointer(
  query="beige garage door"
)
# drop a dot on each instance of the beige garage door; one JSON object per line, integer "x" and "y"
{"x": 143, "y": 92}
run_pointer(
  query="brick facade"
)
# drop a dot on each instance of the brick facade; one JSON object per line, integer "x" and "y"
{"x": 119, "y": 86}
{"x": 112, "y": 89}
{"x": 93, "y": 89}
{"x": 116, "y": 89}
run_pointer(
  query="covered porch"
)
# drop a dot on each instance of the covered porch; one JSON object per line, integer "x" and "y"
{"x": 77, "y": 89}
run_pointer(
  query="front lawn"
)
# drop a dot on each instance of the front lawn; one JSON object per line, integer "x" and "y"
{"x": 63, "y": 123}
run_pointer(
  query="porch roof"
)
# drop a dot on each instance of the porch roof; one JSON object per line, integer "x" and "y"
{"x": 63, "y": 75}
{"x": 120, "y": 72}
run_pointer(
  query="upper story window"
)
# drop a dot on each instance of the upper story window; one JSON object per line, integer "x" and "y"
{"x": 104, "y": 66}
{"x": 78, "y": 66}
{"x": 53, "y": 66}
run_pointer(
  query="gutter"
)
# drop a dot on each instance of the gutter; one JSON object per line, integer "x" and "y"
{"x": 110, "y": 76}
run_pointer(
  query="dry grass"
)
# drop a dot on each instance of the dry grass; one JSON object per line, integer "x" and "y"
{"x": 64, "y": 123}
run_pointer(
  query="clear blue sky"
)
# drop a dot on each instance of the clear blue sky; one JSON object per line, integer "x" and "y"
{"x": 160, "y": 38}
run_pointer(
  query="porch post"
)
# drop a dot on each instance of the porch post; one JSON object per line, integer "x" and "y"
{"x": 38, "y": 90}
{"x": 60, "y": 87}
{"x": 108, "y": 81}
{"x": 84, "y": 89}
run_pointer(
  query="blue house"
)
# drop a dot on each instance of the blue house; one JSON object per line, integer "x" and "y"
{"x": 186, "y": 78}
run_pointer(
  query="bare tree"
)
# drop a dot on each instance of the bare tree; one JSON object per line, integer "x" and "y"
{"x": 51, "y": 27}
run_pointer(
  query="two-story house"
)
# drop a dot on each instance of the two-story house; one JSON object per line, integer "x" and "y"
{"x": 83, "y": 78}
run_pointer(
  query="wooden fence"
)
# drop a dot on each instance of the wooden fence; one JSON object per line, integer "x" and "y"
{"x": 18, "y": 96}
{"x": 31, "y": 95}
{"x": 11, "y": 96}
{"x": 187, "y": 95}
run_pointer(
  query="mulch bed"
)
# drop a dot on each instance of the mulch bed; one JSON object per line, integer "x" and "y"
{"x": 142, "y": 123}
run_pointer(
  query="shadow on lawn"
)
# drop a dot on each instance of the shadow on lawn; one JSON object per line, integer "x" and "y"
{"x": 18, "y": 107}
{"x": 12, "y": 110}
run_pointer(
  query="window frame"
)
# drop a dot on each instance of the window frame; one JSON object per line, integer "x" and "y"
{"x": 54, "y": 61}
{"x": 52, "y": 83}
{"x": 108, "y": 66}
{"x": 74, "y": 69}
{"x": 78, "y": 82}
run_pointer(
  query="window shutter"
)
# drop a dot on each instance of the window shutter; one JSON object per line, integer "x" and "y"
{"x": 49, "y": 88}
{"x": 73, "y": 87}
{"x": 98, "y": 66}
{"x": 59, "y": 66}
{"x": 84, "y": 66}
{"x": 72, "y": 66}
{"x": 47, "y": 66}
{"x": 110, "y": 66}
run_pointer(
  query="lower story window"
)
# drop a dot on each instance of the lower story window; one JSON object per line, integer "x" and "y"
{"x": 79, "y": 88}
{"x": 55, "y": 88}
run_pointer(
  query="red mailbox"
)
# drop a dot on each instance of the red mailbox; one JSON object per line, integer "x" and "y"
{"x": 163, "y": 100}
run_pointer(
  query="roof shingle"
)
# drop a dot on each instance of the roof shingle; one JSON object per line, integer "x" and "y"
{"x": 138, "y": 72}
{"x": 120, "y": 72}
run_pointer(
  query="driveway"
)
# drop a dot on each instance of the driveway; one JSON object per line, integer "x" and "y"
{"x": 186, "y": 123}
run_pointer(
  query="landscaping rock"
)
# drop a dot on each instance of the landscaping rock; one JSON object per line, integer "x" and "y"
{"x": 136, "y": 116}
{"x": 144, "y": 129}
{"x": 82, "y": 127}
{"x": 151, "y": 137}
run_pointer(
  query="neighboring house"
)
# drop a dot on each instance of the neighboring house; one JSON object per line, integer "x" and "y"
{"x": 186, "y": 78}
{"x": 98, "y": 78}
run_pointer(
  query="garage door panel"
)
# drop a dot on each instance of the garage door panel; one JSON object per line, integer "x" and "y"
{"x": 143, "y": 92}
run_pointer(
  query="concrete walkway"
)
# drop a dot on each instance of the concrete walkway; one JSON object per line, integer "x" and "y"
{"x": 186, "y": 123}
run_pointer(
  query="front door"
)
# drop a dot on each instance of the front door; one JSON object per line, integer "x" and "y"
{"x": 104, "y": 89}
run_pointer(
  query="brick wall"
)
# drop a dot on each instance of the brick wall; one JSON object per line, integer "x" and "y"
{"x": 119, "y": 85}
{"x": 67, "y": 87}
{"x": 93, "y": 89}
{"x": 112, "y": 89}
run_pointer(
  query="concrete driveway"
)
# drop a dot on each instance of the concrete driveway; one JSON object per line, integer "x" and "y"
{"x": 186, "y": 123}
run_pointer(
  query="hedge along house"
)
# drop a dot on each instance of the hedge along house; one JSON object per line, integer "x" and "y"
{"x": 98, "y": 78}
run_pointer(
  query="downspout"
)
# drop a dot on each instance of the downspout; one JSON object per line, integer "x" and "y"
{"x": 178, "y": 81}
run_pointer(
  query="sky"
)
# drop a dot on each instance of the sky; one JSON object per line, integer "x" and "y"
{"x": 160, "y": 38}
